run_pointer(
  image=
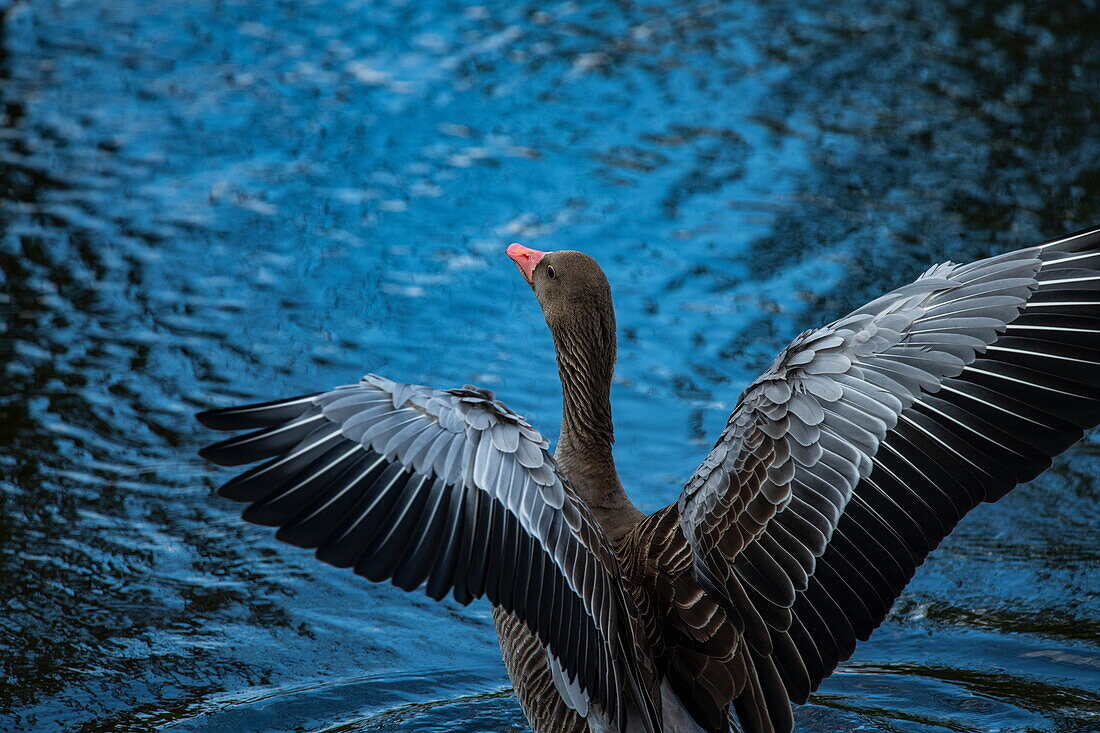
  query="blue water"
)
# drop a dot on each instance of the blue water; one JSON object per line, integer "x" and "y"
{"x": 210, "y": 201}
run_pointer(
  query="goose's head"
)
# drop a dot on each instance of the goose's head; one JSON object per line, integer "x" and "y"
{"x": 572, "y": 291}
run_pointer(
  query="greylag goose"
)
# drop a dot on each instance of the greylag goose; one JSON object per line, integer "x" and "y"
{"x": 839, "y": 470}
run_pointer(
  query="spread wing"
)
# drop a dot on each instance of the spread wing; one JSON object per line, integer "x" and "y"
{"x": 866, "y": 441}
{"x": 452, "y": 491}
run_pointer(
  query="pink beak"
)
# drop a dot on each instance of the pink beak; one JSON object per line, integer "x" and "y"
{"x": 526, "y": 259}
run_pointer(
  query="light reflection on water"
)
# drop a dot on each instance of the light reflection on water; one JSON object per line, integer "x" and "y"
{"x": 208, "y": 202}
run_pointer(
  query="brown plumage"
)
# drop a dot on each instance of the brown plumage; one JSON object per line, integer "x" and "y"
{"x": 839, "y": 470}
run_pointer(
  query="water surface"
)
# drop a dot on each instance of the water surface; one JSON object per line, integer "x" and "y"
{"x": 212, "y": 201}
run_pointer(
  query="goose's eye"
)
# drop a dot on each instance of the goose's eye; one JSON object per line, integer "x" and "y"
{"x": 550, "y": 273}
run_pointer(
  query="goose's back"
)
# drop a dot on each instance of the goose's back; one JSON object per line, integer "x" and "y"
{"x": 696, "y": 647}
{"x": 693, "y": 646}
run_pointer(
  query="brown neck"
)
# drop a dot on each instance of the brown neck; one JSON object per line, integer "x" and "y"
{"x": 586, "y": 360}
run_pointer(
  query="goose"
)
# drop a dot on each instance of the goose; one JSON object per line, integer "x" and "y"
{"x": 840, "y": 468}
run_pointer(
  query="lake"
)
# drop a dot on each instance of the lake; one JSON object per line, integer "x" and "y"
{"x": 216, "y": 201}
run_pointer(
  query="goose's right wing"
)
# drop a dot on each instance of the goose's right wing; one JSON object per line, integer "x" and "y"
{"x": 867, "y": 440}
{"x": 452, "y": 490}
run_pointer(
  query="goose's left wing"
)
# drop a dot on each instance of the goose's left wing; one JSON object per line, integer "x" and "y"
{"x": 449, "y": 490}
